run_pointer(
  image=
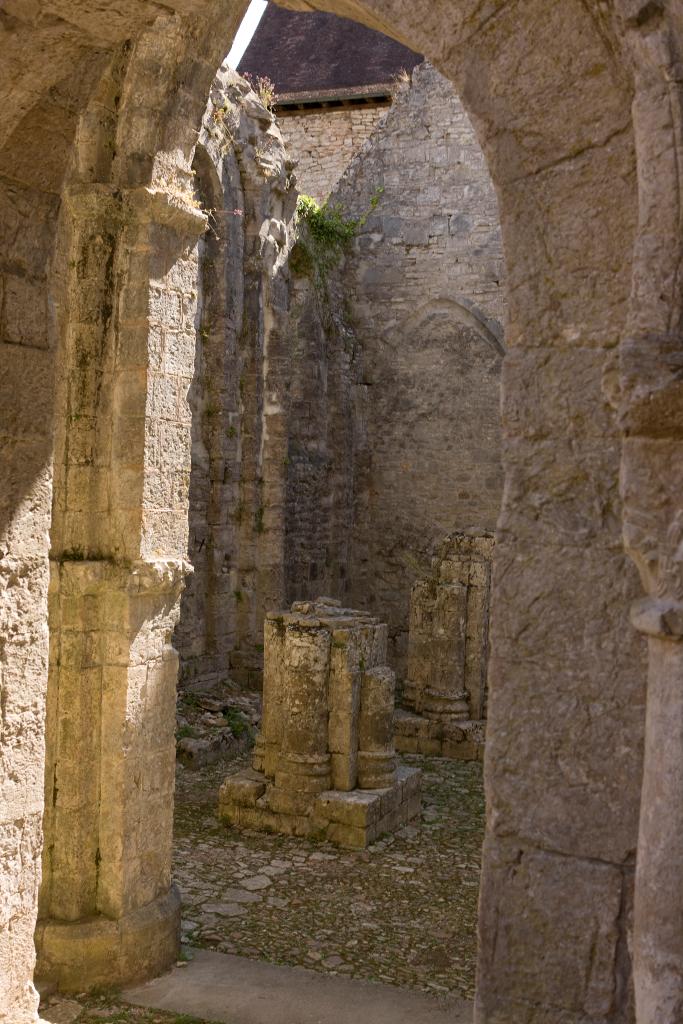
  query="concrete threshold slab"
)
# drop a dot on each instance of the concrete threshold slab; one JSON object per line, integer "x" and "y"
{"x": 234, "y": 990}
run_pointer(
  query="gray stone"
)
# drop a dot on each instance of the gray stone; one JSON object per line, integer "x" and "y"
{"x": 257, "y": 882}
{"x": 224, "y": 910}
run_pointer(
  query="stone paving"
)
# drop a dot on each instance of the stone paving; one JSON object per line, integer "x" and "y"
{"x": 107, "y": 1008}
{"x": 402, "y": 912}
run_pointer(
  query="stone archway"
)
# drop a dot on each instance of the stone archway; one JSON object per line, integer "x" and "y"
{"x": 593, "y": 248}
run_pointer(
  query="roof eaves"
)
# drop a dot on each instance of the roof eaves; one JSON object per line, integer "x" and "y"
{"x": 367, "y": 92}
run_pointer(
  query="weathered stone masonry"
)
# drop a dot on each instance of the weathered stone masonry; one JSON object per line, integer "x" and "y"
{"x": 324, "y": 762}
{"x": 445, "y": 693}
{"x": 577, "y": 106}
{"x": 413, "y": 322}
{"x": 238, "y": 395}
{"x": 118, "y": 541}
{"x": 426, "y": 291}
{"x": 325, "y": 143}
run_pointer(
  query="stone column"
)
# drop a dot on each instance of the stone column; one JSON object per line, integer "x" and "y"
{"x": 303, "y": 764}
{"x": 107, "y": 907}
{"x": 419, "y": 642}
{"x": 345, "y": 685}
{"x": 269, "y": 739}
{"x": 445, "y": 697}
{"x": 448, "y": 638}
{"x": 108, "y": 912}
{"x": 651, "y": 407}
{"x": 376, "y": 755}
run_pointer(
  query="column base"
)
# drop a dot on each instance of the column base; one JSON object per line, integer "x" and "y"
{"x": 350, "y": 819}
{"x": 77, "y": 956}
{"x": 458, "y": 741}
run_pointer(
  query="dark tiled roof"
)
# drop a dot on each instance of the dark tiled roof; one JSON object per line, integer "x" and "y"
{"x": 318, "y": 53}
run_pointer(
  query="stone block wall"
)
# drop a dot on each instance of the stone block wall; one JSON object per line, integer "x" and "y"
{"x": 321, "y": 439}
{"x": 409, "y": 345}
{"x": 426, "y": 295}
{"x": 324, "y": 143}
{"x": 341, "y": 426}
{"x": 32, "y": 167}
{"x": 26, "y": 400}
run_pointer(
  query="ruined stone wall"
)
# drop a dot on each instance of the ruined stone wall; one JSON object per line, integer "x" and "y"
{"x": 32, "y": 167}
{"x": 321, "y": 439}
{"x": 26, "y": 385}
{"x": 425, "y": 292}
{"x": 573, "y": 105}
{"x": 238, "y": 395}
{"x": 324, "y": 143}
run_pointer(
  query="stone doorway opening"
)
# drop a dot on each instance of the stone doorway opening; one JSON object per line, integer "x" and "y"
{"x": 331, "y": 463}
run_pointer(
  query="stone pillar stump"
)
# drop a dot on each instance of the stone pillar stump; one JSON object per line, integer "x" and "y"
{"x": 324, "y": 763}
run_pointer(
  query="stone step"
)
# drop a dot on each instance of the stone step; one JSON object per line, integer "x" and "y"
{"x": 234, "y": 990}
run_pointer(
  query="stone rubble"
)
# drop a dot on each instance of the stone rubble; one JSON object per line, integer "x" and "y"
{"x": 216, "y": 722}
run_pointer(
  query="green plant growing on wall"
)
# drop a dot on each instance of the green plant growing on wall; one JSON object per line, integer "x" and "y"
{"x": 326, "y": 223}
{"x": 324, "y": 233}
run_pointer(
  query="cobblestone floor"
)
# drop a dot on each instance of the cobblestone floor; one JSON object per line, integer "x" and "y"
{"x": 107, "y": 1009}
{"x": 403, "y": 912}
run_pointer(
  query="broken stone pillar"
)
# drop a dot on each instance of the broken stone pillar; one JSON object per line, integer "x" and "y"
{"x": 303, "y": 762}
{"x": 344, "y": 697}
{"x": 376, "y": 756}
{"x": 324, "y": 763}
{"x": 269, "y": 739}
{"x": 444, "y": 695}
{"x": 436, "y": 651}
